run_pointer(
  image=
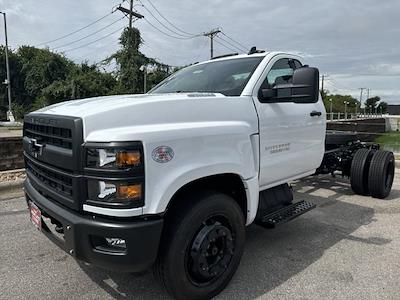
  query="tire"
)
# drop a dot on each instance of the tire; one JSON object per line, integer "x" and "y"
{"x": 359, "y": 171}
{"x": 201, "y": 247}
{"x": 381, "y": 174}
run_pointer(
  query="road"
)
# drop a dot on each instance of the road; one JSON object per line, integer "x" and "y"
{"x": 346, "y": 248}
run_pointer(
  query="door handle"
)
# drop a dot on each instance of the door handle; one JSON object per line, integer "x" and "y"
{"x": 315, "y": 113}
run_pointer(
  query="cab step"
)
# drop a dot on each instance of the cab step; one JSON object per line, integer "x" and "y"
{"x": 285, "y": 214}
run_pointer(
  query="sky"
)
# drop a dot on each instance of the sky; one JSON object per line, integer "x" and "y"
{"x": 355, "y": 43}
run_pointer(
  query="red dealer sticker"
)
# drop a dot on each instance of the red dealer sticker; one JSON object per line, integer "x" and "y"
{"x": 162, "y": 154}
{"x": 36, "y": 215}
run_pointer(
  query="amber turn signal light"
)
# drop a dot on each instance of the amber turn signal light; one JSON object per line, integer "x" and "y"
{"x": 128, "y": 158}
{"x": 133, "y": 191}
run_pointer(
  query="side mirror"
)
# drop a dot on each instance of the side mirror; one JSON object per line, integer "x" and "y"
{"x": 305, "y": 85}
{"x": 303, "y": 89}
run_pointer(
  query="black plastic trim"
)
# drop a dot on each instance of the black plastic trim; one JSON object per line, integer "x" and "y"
{"x": 78, "y": 185}
{"x": 142, "y": 235}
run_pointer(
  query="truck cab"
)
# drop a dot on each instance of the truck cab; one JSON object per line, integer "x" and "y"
{"x": 171, "y": 178}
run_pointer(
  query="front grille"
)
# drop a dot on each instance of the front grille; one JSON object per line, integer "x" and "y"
{"x": 57, "y": 136}
{"x": 58, "y": 182}
{"x": 52, "y": 150}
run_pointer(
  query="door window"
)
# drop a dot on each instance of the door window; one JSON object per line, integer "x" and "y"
{"x": 281, "y": 72}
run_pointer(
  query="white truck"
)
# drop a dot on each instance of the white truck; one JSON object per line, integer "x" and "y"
{"x": 171, "y": 178}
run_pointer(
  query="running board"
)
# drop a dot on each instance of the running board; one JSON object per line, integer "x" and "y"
{"x": 285, "y": 214}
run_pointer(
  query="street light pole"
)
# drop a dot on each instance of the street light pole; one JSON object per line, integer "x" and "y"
{"x": 330, "y": 100}
{"x": 10, "y": 116}
{"x": 345, "y": 110}
{"x": 144, "y": 70}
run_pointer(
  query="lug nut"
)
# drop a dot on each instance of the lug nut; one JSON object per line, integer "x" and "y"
{"x": 71, "y": 251}
{"x": 68, "y": 227}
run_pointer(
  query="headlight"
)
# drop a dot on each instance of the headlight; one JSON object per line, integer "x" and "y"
{"x": 115, "y": 193}
{"x": 115, "y": 174}
{"x": 113, "y": 158}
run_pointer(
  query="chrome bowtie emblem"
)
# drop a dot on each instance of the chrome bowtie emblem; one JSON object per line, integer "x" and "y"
{"x": 36, "y": 149}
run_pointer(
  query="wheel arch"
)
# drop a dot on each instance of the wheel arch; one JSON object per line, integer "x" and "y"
{"x": 230, "y": 184}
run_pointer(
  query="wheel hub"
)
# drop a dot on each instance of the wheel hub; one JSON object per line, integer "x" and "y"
{"x": 211, "y": 252}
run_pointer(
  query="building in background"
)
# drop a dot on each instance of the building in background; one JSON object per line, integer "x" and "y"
{"x": 393, "y": 109}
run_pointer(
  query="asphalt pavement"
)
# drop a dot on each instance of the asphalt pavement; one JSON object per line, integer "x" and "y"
{"x": 346, "y": 248}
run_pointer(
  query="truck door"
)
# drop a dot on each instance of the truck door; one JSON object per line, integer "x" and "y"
{"x": 292, "y": 135}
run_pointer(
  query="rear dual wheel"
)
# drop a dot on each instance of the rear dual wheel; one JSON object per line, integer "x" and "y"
{"x": 381, "y": 174}
{"x": 359, "y": 171}
{"x": 372, "y": 173}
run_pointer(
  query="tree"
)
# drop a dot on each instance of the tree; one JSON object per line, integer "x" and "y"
{"x": 372, "y": 102}
{"x": 382, "y": 107}
{"x": 83, "y": 81}
{"x": 40, "y": 68}
{"x": 129, "y": 60}
{"x": 40, "y": 77}
{"x": 17, "y": 80}
{"x": 338, "y": 103}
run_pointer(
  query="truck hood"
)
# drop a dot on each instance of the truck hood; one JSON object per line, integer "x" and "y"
{"x": 153, "y": 112}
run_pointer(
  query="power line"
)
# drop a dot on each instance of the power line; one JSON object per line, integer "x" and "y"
{"x": 92, "y": 54}
{"x": 170, "y": 23}
{"x": 342, "y": 86}
{"x": 87, "y": 44}
{"x": 229, "y": 43}
{"x": 89, "y": 35}
{"x": 166, "y": 27}
{"x": 240, "y": 44}
{"x": 167, "y": 34}
{"x": 223, "y": 45}
{"x": 76, "y": 31}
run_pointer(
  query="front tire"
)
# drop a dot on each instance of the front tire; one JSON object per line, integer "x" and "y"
{"x": 202, "y": 246}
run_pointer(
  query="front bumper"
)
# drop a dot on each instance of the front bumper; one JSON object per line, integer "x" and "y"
{"x": 81, "y": 234}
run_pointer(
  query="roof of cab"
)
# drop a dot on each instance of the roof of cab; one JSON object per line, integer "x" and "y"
{"x": 234, "y": 56}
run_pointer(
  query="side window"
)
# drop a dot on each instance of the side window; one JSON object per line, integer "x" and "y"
{"x": 281, "y": 72}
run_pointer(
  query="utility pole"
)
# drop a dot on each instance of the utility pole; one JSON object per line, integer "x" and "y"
{"x": 361, "y": 94}
{"x": 368, "y": 93}
{"x": 7, "y": 82}
{"x": 129, "y": 12}
{"x": 323, "y": 76}
{"x": 144, "y": 70}
{"x": 211, "y": 35}
{"x": 130, "y": 15}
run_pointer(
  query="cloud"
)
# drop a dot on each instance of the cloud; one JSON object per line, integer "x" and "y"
{"x": 353, "y": 41}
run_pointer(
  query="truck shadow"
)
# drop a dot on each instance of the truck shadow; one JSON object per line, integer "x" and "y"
{"x": 271, "y": 256}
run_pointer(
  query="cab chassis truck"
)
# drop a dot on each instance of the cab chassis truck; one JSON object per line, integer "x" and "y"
{"x": 170, "y": 179}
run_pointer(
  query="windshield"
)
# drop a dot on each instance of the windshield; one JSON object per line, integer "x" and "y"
{"x": 228, "y": 77}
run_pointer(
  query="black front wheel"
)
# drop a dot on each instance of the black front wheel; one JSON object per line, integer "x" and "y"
{"x": 202, "y": 246}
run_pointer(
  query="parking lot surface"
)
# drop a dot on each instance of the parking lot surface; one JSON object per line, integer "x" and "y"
{"x": 346, "y": 248}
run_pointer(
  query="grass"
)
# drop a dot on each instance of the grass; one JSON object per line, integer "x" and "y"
{"x": 390, "y": 141}
{"x": 389, "y": 138}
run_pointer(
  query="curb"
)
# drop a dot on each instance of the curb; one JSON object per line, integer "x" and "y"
{"x": 11, "y": 185}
